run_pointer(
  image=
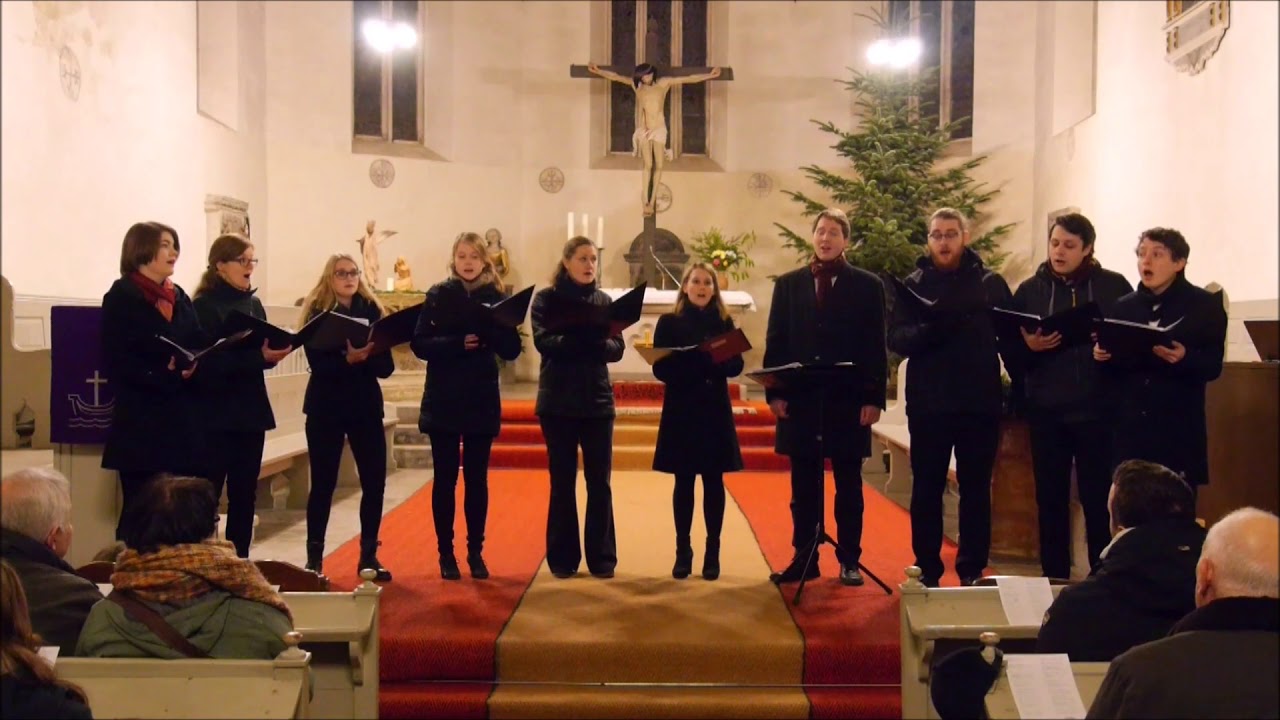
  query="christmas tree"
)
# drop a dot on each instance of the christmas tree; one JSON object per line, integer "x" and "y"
{"x": 896, "y": 183}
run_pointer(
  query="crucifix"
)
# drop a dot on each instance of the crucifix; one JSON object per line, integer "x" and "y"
{"x": 651, "y": 86}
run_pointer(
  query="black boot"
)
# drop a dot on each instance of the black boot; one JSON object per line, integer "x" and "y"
{"x": 369, "y": 559}
{"x": 449, "y": 566}
{"x": 479, "y": 570}
{"x": 315, "y": 556}
{"x": 797, "y": 570}
{"x": 711, "y": 560}
{"x": 684, "y": 559}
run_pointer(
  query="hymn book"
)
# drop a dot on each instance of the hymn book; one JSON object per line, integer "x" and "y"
{"x": 452, "y": 310}
{"x": 336, "y": 330}
{"x": 564, "y": 314}
{"x": 720, "y": 348}
{"x": 961, "y": 297}
{"x": 1074, "y": 324}
{"x": 277, "y": 338}
{"x": 191, "y": 356}
{"x": 1123, "y": 338}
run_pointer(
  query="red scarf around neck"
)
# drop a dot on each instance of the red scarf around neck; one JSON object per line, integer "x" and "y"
{"x": 824, "y": 273}
{"x": 158, "y": 294}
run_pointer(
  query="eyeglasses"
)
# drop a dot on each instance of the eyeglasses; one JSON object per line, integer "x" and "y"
{"x": 346, "y": 274}
{"x": 953, "y": 235}
{"x": 246, "y": 262}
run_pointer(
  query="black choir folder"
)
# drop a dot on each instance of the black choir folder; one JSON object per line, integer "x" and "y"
{"x": 797, "y": 375}
{"x": 191, "y": 356}
{"x": 1075, "y": 324}
{"x": 566, "y": 314}
{"x": 455, "y": 311}
{"x": 277, "y": 338}
{"x": 336, "y": 330}
{"x": 720, "y": 348}
{"x": 959, "y": 298}
{"x": 1126, "y": 339}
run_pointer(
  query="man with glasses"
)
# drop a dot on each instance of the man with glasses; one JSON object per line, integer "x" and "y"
{"x": 953, "y": 391}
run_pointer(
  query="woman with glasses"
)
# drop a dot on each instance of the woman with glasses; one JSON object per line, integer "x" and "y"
{"x": 231, "y": 387}
{"x": 344, "y": 400}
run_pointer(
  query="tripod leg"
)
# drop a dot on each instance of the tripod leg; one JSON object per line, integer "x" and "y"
{"x": 810, "y": 559}
{"x": 877, "y": 580}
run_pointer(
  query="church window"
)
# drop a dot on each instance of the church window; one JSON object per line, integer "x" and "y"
{"x": 946, "y": 32}
{"x": 387, "y": 95}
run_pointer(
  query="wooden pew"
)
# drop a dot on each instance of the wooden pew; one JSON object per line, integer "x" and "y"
{"x": 931, "y": 619}
{"x": 1000, "y": 704}
{"x": 154, "y": 688}
{"x": 340, "y": 630}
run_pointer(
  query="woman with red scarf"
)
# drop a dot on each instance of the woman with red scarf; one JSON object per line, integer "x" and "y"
{"x": 155, "y": 423}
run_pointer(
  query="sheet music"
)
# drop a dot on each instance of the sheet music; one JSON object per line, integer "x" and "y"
{"x": 1024, "y": 599}
{"x": 49, "y": 653}
{"x": 105, "y": 588}
{"x": 1043, "y": 686}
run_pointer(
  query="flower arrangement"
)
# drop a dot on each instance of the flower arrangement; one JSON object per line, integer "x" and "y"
{"x": 728, "y": 256}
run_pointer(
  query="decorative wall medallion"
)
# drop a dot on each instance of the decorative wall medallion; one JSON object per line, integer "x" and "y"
{"x": 551, "y": 179}
{"x": 382, "y": 172}
{"x": 760, "y": 184}
{"x": 1193, "y": 31}
{"x": 69, "y": 73}
{"x": 662, "y": 198}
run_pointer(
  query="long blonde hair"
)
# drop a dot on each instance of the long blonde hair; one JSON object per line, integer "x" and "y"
{"x": 18, "y": 653}
{"x": 225, "y": 249}
{"x": 478, "y": 244}
{"x": 322, "y": 297}
{"x": 682, "y": 297}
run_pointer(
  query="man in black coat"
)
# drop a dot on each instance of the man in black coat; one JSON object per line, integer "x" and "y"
{"x": 1221, "y": 660}
{"x": 827, "y": 312}
{"x": 953, "y": 391}
{"x": 1159, "y": 399}
{"x": 1062, "y": 399}
{"x": 1146, "y": 578}
{"x": 35, "y": 535}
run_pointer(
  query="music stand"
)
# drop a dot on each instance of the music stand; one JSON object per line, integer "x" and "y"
{"x": 814, "y": 376}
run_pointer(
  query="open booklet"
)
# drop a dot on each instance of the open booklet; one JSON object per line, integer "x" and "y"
{"x": 960, "y": 297}
{"x": 191, "y": 356}
{"x": 720, "y": 348}
{"x": 1074, "y": 324}
{"x": 336, "y": 330}
{"x": 1123, "y": 338}
{"x": 797, "y": 374}
{"x": 455, "y": 311}
{"x": 277, "y": 338}
{"x": 565, "y": 314}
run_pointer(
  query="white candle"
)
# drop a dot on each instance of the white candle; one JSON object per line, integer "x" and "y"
{"x": 584, "y": 224}
{"x": 600, "y": 232}
{"x": 570, "y": 235}
{"x": 391, "y": 284}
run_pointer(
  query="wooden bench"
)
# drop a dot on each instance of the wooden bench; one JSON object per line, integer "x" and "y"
{"x": 154, "y": 688}
{"x": 931, "y": 619}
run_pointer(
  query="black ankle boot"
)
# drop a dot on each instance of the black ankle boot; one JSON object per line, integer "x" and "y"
{"x": 711, "y": 560}
{"x": 479, "y": 570}
{"x": 684, "y": 559}
{"x": 449, "y": 566}
{"x": 369, "y": 559}
{"x": 315, "y": 557}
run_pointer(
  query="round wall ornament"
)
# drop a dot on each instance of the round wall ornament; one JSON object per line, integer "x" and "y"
{"x": 551, "y": 179}
{"x": 662, "y": 198}
{"x": 760, "y": 184}
{"x": 382, "y": 173}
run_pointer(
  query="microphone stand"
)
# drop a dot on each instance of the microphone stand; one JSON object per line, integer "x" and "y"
{"x": 663, "y": 267}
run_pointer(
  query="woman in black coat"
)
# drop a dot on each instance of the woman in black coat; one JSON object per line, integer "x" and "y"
{"x": 696, "y": 433}
{"x": 155, "y": 424}
{"x": 575, "y": 408}
{"x": 462, "y": 402}
{"x": 1158, "y": 401}
{"x": 232, "y": 388}
{"x": 344, "y": 401}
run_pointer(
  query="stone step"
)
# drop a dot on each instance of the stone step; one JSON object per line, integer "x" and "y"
{"x": 412, "y": 456}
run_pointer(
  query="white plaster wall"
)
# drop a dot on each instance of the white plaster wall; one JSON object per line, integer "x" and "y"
{"x": 133, "y": 147}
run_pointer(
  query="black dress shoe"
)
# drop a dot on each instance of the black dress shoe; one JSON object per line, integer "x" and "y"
{"x": 849, "y": 575}
{"x": 564, "y": 574}
{"x": 479, "y": 570}
{"x": 449, "y": 567}
{"x": 796, "y": 572}
{"x": 603, "y": 574}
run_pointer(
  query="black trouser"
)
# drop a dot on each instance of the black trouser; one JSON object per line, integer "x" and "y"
{"x": 235, "y": 459}
{"x": 712, "y": 505}
{"x": 131, "y": 484}
{"x": 808, "y": 495}
{"x": 475, "y": 477}
{"x": 1055, "y": 444}
{"x": 563, "y": 436}
{"x": 975, "y": 439}
{"x": 369, "y": 447}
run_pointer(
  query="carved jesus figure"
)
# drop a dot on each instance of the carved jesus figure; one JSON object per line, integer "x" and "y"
{"x": 650, "y": 138}
{"x": 369, "y": 252}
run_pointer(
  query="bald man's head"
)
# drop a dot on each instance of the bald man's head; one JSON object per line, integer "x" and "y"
{"x": 1241, "y": 557}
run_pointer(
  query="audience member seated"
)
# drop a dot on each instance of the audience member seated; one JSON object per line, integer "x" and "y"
{"x": 1146, "y": 577}
{"x": 217, "y": 602}
{"x": 1221, "y": 660}
{"x": 35, "y": 535}
{"x": 28, "y": 687}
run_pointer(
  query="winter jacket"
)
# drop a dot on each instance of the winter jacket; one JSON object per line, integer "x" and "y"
{"x": 338, "y": 390}
{"x": 696, "y": 433}
{"x": 573, "y": 380}
{"x": 955, "y": 364}
{"x": 1062, "y": 381}
{"x": 230, "y": 383}
{"x": 1144, "y": 584}
{"x": 461, "y": 394}
{"x": 58, "y": 599}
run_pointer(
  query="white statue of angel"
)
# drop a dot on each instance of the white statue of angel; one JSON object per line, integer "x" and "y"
{"x": 369, "y": 251}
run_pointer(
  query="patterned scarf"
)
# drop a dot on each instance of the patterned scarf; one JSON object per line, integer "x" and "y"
{"x": 161, "y": 295}
{"x": 182, "y": 573}
{"x": 824, "y": 273}
{"x": 484, "y": 278}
